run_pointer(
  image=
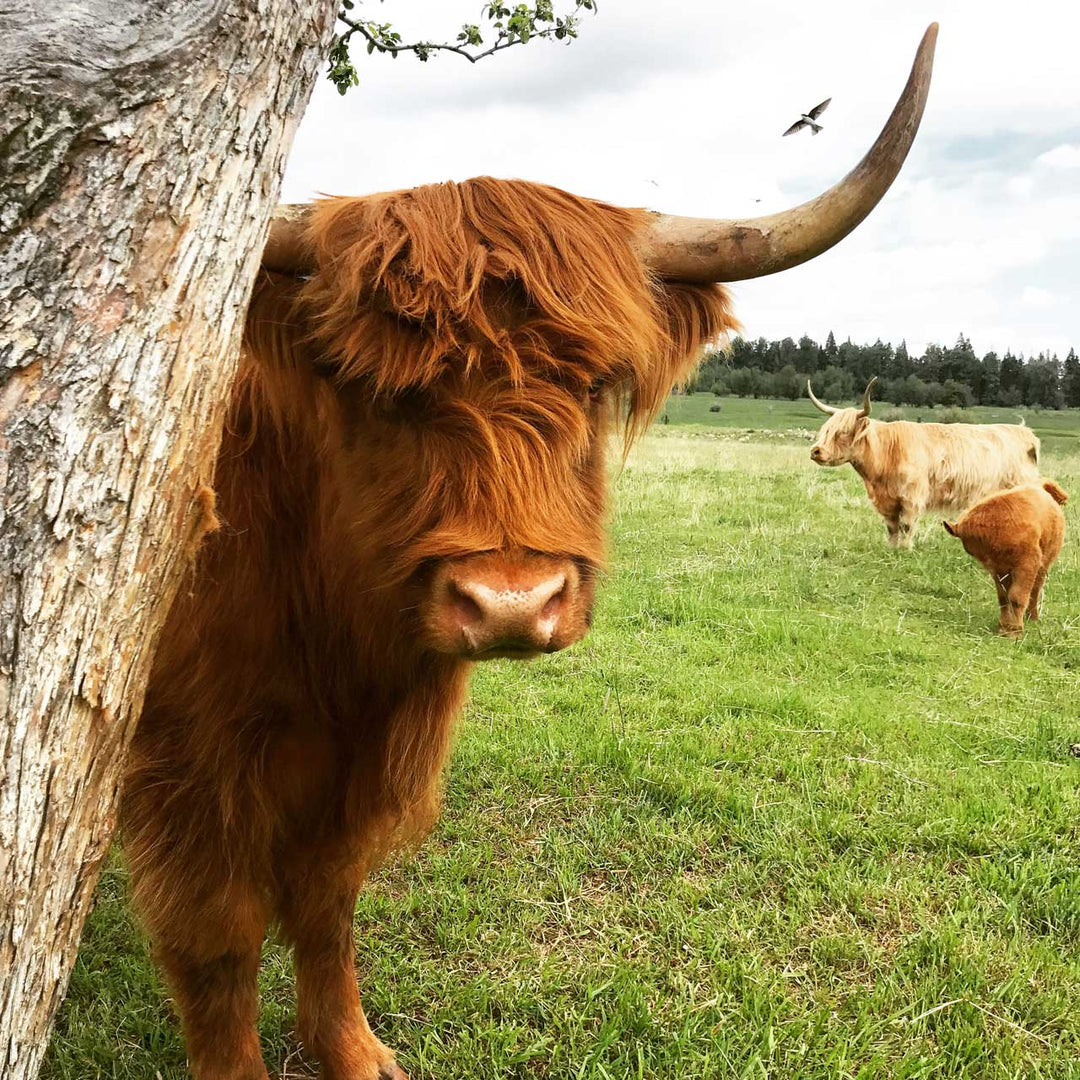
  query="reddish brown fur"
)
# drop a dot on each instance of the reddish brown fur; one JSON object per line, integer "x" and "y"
{"x": 442, "y": 386}
{"x": 1016, "y": 535}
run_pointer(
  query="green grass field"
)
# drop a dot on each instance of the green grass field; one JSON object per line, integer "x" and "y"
{"x": 792, "y": 811}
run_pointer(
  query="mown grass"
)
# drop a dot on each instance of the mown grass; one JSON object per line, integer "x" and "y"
{"x": 791, "y": 811}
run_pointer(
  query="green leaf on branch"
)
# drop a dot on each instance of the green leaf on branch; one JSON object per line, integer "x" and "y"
{"x": 517, "y": 25}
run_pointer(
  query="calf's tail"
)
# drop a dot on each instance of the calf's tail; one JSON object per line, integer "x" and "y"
{"x": 1055, "y": 492}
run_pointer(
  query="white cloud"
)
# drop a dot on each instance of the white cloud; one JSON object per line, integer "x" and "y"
{"x": 1065, "y": 156}
{"x": 1021, "y": 186}
{"x": 1034, "y": 297}
{"x": 683, "y": 111}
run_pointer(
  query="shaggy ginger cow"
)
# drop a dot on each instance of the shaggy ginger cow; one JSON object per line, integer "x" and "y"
{"x": 1016, "y": 535}
{"x": 909, "y": 468}
{"x": 411, "y": 480}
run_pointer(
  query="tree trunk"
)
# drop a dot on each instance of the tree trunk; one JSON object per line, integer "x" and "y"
{"x": 142, "y": 144}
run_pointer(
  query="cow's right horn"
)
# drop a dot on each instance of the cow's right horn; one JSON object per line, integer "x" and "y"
{"x": 820, "y": 404}
{"x": 865, "y": 410}
{"x": 286, "y": 250}
{"x": 732, "y": 249}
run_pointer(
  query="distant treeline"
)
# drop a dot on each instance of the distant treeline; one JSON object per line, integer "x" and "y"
{"x": 941, "y": 376}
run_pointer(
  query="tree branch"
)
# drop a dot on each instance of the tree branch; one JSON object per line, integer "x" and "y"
{"x": 426, "y": 46}
{"x": 516, "y": 26}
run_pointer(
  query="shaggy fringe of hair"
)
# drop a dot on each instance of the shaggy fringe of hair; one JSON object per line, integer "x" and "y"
{"x": 411, "y": 285}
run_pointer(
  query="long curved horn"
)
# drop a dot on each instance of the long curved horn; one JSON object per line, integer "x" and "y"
{"x": 865, "y": 410}
{"x": 706, "y": 249}
{"x": 820, "y": 404}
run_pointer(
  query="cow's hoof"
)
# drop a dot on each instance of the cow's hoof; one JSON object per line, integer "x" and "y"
{"x": 392, "y": 1071}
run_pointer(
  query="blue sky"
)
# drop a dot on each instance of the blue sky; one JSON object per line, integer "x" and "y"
{"x": 680, "y": 106}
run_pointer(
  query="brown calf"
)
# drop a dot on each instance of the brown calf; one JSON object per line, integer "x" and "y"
{"x": 1016, "y": 535}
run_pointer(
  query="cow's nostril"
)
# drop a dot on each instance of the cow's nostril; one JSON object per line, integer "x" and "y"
{"x": 465, "y": 607}
{"x": 554, "y": 605}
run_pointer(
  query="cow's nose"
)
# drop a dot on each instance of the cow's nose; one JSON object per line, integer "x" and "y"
{"x": 494, "y": 618}
{"x": 816, "y": 453}
{"x": 497, "y": 604}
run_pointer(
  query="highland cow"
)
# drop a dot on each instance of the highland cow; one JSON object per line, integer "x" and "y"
{"x": 411, "y": 480}
{"x": 1016, "y": 535}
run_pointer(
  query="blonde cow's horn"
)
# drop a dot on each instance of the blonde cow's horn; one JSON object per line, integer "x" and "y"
{"x": 865, "y": 410}
{"x": 828, "y": 409}
{"x": 706, "y": 249}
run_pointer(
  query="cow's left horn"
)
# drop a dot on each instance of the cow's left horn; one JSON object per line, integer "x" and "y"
{"x": 709, "y": 249}
{"x": 865, "y": 410}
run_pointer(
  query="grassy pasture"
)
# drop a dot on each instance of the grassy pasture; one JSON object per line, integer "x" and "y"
{"x": 791, "y": 811}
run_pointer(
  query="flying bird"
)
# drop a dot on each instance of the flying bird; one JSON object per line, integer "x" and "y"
{"x": 807, "y": 119}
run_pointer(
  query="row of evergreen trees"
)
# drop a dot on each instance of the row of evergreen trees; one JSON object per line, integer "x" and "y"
{"x": 941, "y": 376}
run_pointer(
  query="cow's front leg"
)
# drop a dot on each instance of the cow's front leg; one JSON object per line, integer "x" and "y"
{"x": 900, "y": 522}
{"x": 210, "y": 958}
{"x": 317, "y": 904}
{"x": 889, "y": 509}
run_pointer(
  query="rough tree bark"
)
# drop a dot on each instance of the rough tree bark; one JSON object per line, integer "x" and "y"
{"x": 141, "y": 151}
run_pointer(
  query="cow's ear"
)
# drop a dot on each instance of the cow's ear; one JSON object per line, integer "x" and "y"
{"x": 949, "y": 528}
